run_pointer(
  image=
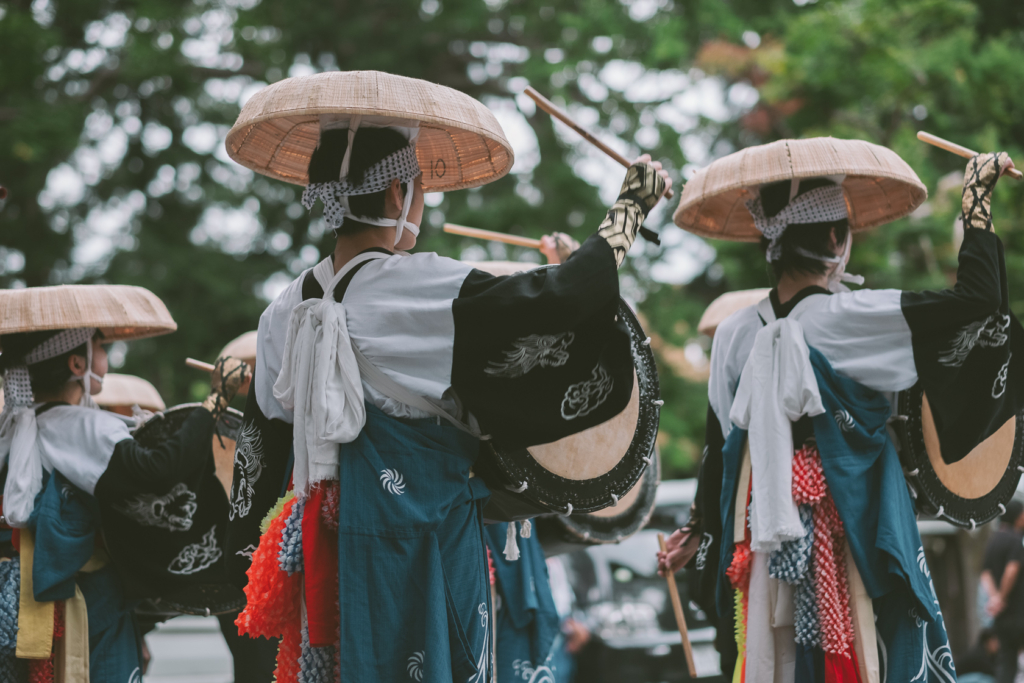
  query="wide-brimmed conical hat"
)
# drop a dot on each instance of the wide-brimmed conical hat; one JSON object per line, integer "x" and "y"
{"x": 242, "y": 348}
{"x": 121, "y": 312}
{"x": 879, "y": 186}
{"x": 460, "y": 142}
{"x": 128, "y": 390}
{"x": 727, "y": 304}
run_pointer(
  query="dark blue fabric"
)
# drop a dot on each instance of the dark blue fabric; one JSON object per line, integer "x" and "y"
{"x": 114, "y": 655}
{"x": 911, "y": 647}
{"x": 866, "y": 481}
{"x": 810, "y": 665}
{"x": 527, "y": 619}
{"x": 414, "y": 585}
{"x": 732, "y": 458}
{"x": 65, "y": 521}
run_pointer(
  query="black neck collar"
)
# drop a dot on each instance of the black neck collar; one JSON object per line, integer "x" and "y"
{"x": 781, "y": 310}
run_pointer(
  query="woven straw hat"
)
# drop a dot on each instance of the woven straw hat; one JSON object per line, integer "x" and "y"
{"x": 460, "y": 143}
{"x": 121, "y": 312}
{"x": 128, "y": 390}
{"x": 242, "y": 348}
{"x": 879, "y": 186}
{"x": 727, "y": 304}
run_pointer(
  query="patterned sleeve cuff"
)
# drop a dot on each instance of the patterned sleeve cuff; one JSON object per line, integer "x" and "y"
{"x": 643, "y": 185}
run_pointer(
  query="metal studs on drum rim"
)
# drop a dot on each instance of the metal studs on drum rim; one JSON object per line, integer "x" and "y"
{"x": 970, "y": 492}
{"x": 556, "y": 493}
{"x": 565, "y": 533}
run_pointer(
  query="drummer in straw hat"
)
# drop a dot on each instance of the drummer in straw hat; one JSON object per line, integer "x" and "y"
{"x": 381, "y": 370}
{"x": 67, "y": 464}
{"x": 826, "y": 559}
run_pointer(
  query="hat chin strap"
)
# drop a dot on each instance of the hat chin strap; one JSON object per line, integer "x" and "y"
{"x": 838, "y": 275}
{"x": 86, "y": 380}
{"x": 401, "y": 223}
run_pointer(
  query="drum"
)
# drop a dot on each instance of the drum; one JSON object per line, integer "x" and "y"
{"x": 966, "y": 493}
{"x": 614, "y": 524}
{"x": 170, "y": 542}
{"x": 585, "y": 472}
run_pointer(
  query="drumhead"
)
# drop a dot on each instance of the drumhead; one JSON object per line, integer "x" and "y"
{"x": 585, "y": 472}
{"x": 971, "y": 491}
{"x": 614, "y": 524}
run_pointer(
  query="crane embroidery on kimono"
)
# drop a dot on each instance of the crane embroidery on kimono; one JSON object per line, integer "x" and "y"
{"x": 196, "y": 557}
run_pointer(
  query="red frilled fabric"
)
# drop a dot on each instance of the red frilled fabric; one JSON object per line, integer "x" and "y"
{"x": 273, "y": 600}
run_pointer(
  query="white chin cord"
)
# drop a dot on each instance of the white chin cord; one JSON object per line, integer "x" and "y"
{"x": 838, "y": 275}
{"x": 401, "y": 223}
{"x": 87, "y": 378}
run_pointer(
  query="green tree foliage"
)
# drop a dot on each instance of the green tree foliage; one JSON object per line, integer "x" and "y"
{"x": 113, "y": 115}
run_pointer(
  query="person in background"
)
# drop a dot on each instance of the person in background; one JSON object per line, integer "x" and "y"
{"x": 978, "y": 665}
{"x": 575, "y": 633}
{"x": 1001, "y": 580}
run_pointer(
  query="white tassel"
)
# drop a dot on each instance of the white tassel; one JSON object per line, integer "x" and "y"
{"x": 526, "y": 528}
{"x": 511, "y": 547}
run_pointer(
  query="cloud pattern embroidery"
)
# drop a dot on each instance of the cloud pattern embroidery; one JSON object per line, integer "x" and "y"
{"x": 196, "y": 557}
{"x": 584, "y": 397}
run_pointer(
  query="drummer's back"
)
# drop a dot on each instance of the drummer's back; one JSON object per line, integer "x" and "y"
{"x": 862, "y": 333}
{"x": 398, "y": 308}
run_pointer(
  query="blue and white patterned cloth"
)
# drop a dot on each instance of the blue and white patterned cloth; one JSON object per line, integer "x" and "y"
{"x": 414, "y": 585}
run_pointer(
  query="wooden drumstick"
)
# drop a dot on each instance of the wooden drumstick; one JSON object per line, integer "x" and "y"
{"x": 677, "y": 607}
{"x": 959, "y": 150}
{"x": 198, "y": 365}
{"x": 552, "y": 109}
{"x": 518, "y": 241}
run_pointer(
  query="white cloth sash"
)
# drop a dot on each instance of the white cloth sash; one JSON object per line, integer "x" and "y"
{"x": 777, "y": 386}
{"x": 25, "y": 470}
{"x": 320, "y": 382}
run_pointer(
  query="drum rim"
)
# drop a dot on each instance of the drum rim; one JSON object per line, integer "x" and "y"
{"x": 575, "y": 531}
{"x": 558, "y": 493}
{"x": 966, "y": 513}
{"x": 228, "y": 416}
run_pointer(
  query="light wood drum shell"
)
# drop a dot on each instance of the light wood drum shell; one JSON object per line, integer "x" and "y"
{"x": 969, "y": 492}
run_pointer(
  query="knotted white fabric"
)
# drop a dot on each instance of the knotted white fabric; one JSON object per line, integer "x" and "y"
{"x": 511, "y": 547}
{"x": 777, "y": 386}
{"x": 820, "y": 205}
{"x": 19, "y": 447}
{"x": 320, "y": 382}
